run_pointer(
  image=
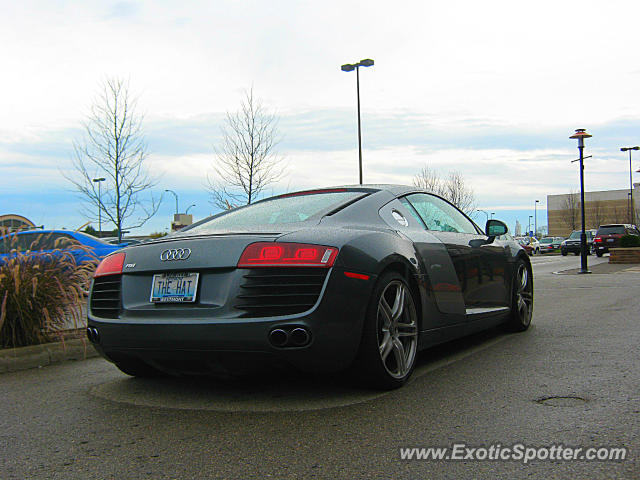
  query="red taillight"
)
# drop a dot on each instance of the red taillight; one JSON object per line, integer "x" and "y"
{"x": 111, "y": 265}
{"x": 597, "y": 240}
{"x": 271, "y": 254}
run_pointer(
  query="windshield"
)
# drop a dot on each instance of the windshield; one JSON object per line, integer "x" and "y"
{"x": 546, "y": 240}
{"x": 575, "y": 236}
{"x": 286, "y": 209}
{"x": 611, "y": 229}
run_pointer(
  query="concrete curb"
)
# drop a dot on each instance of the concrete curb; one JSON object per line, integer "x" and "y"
{"x": 36, "y": 356}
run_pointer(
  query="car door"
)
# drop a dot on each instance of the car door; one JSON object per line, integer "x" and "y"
{"x": 438, "y": 274}
{"x": 480, "y": 267}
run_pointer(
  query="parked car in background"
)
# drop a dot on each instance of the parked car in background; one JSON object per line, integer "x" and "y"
{"x": 45, "y": 241}
{"x": 572, "y": 244}
{"x": 608, "y": 236}
{"x": 550, "y": 244}
{"x": 530, "y": 244}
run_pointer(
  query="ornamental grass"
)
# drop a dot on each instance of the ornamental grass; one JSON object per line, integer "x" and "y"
{"x": 41, "y": 292}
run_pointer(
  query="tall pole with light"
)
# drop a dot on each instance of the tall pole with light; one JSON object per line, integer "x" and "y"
{"x": 187, "y": 210}
{"x": 580, "y": 135}
{"x": 175, "y": 195}
{"x": 349, "y": 67}
{"x": 99, "y": 181}
{"x": 535, "y": 218}
{"x": 479, "y": 210}
{"x": 631, "y": 206}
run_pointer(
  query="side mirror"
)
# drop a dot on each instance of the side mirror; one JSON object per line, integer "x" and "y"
{"x": 495, "y": 228}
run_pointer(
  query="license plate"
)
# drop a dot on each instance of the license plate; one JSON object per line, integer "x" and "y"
{"x": 611, "y": 240}
{"x": 175, "y": 287}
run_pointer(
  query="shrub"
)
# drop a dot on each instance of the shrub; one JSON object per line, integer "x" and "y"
{"x": 630, "y": 241}
{"x": 39, "y": 292}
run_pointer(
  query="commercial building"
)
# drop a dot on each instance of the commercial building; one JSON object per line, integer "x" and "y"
{"x": 601, "y": 208}
{"x": 13, "y": 222}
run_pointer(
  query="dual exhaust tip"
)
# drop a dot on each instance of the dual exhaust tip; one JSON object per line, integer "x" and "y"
{"x": 93, "y": 335}
{"x": 294, "y": 337}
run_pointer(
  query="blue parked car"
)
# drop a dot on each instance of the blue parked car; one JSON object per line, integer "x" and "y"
{"x": 48, "y": 240}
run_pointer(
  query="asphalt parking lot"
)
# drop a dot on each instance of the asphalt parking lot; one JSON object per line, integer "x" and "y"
{"x": 571, "y": 380}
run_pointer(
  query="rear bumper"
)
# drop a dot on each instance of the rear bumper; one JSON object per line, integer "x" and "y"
{"x": 212, "y": 344}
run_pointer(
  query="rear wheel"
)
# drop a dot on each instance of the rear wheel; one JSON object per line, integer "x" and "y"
{"x": 522, "y": 298}
{"x": 599, "y": 253}
{"x": 389, "y": 345}
{"x": 564, "y": 253}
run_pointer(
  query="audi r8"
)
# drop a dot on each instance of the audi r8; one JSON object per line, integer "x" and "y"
{"x": 353, "y": 278}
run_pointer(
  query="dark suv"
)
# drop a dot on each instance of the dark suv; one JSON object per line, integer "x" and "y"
{"x": 609, "y": 236}
{"x": 572, "y": 244}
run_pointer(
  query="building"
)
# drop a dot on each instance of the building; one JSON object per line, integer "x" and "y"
{"x": 12, "y": 222}
{"x": 601, "y": 208}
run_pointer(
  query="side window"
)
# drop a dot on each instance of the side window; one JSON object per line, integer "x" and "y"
{"x": 439, "y": 215}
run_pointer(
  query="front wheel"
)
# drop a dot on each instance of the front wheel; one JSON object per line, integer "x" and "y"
{"x": 521, "y": 298}
{"x": 564, "y": 253}
{"x": 599, "y": 254}
{"x": 389, "y": 345}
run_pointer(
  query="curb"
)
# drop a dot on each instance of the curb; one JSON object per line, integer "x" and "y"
{"x": 36, "y": 356}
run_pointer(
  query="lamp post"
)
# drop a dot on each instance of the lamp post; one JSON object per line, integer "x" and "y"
{"x": 492, "y": 214}
{"x": 367, "y": 62}
{"x": 175, "y": 195}
{"x": 99, "y": 181}
{"x": 187, "y": 210}
{"x": 580, "y": 135}
{"x": 535, "y": 218}
{"x": 631, "y": 216}
{"x": 479, "y": 210}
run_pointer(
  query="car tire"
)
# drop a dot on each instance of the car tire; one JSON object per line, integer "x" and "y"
{"x": 564, "y": 253}
{"x": 137, "y": 368}
{"x": 576, "y": 253}
{"x": 599, "y": 254}
{"x": 389, "y": 345}
{"x": 521, "y": 298}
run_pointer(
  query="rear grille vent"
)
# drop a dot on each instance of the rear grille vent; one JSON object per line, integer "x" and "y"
{"x": 269, "y": 292}
{"x": 105, "y": 296}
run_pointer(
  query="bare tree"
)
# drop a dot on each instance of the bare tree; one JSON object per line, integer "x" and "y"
{"x": 598, "y": 214}
{"x": 453, "y": 188}
{"x": 113, "y": 148}
{"x": 246, "y": 159}
{"x": 570, "y": 211}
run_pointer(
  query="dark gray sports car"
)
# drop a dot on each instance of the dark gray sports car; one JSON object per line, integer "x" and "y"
{"x": 359, "y": 277}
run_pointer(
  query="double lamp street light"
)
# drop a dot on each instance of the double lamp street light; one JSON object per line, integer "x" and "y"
{"x": 349, "y": 67}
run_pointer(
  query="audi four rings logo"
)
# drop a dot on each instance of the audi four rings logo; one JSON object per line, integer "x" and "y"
{"x": 175, "y": 254}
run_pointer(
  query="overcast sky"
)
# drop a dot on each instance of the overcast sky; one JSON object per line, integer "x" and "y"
{"x": 492, "y": 89}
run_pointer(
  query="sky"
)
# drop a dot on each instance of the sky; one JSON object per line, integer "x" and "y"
{"x": 490, "y": 89}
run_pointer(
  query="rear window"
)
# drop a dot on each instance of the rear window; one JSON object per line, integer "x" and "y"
{"x": 575, "y": 235}
{"x": 611, "y": 229}
{"x": 287, "y": 209}
{"x": 546, "y": 240}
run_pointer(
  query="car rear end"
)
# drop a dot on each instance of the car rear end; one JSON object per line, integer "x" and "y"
{"x": 608, "y": 236}
{"x": 232, "y": 302}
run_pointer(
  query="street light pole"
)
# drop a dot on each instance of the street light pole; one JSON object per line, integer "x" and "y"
{"x": 479, "y": 210}
{"x": 175, "y": 195}
{"x": 492, "y": 214}
{"x": 367, "y": 62}
{"x": 535, "y": 213}
{"x": 187, "y": 210}
{"x": 581, "y": 134}
{"x": 99, "y": 181}
{"x": 631, "y": 207}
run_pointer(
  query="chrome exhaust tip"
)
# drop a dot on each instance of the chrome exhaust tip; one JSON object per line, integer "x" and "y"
{"x": 278, "y": 337}
{"x": 299, "y": 337}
